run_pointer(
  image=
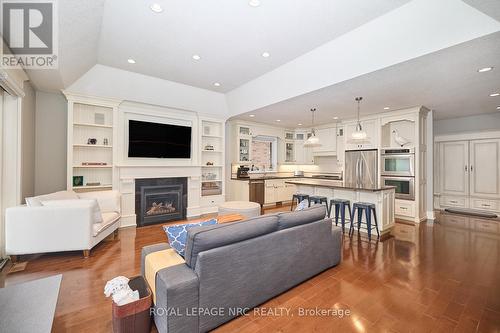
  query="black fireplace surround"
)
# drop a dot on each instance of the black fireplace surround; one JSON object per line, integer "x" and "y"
{"x": 158, "y": 200}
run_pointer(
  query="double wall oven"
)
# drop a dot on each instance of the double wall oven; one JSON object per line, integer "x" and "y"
{"x": 398, "y": 170}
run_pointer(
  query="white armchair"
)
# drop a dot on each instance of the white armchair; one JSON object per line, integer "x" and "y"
{"x": 42, "y": 229}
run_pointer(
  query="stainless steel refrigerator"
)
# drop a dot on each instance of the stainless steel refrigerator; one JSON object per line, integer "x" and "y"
{"x": 361, "y": 168}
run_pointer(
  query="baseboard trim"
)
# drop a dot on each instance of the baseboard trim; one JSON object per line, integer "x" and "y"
{"x": 431, "y": 216}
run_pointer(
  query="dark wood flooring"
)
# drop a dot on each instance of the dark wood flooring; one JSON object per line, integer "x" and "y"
{"x": 447, "y": 279}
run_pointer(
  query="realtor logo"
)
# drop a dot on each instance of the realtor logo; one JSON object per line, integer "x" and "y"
{"x": 29, "y": 30}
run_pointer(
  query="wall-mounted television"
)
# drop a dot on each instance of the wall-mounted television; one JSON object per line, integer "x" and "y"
{"x": 155, "y": 140}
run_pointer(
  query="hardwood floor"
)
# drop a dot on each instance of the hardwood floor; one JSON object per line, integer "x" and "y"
{"x": 447, "y": 280}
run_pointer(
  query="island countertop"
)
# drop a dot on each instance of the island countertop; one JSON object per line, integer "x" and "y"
{"x": 335, "y": 185}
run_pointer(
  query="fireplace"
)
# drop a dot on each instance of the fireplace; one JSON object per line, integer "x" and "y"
{"x": 158, "y": 200}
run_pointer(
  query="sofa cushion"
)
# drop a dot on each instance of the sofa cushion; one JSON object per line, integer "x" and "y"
{"x": 177, "y": 234}
{"x": 97, "y": 216}
{"x": 61, "y": 195}
{"x": 208, "y": 237}
{"x": 308, "y": 215}
{"x": 107, "y": 219}
{"x": 109, "y": 201}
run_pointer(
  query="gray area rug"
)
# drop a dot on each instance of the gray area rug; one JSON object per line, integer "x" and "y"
{"x": 29, "y": 306}
{"x": 471, "y": 212}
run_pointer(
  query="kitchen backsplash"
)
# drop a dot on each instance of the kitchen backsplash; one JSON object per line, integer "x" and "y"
{"x": 323, "y": 164}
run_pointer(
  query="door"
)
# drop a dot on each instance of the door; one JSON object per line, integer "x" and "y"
{"x": 485, "y": 168}
{"x": 454, "y": 168}
{"x": 351, "y": 168}
{"x": 289, "y": 152}
{"x": 244, "y": 149}
{"x": 368, "y": 168}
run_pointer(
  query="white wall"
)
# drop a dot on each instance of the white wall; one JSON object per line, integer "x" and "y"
{"x": 483, "y": 122}
{"x": 28, "y": 141}
{"x": 50, "y": 157}
{"x": 104, "y": 81}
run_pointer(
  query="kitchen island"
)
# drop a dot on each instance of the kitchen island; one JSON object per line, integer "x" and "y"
{"x": 382, "y": 197}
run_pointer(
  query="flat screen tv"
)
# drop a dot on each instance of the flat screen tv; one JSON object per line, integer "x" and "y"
{"x": 154, "y": 140}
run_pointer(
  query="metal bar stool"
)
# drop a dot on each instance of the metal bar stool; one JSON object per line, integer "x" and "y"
{"x": 340, "y": 205}
{"x": 368, "y": 208}
{"x": 319, "y": 200}
{"x": 299, "y": 197}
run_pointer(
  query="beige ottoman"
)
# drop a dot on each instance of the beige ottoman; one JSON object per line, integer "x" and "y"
{"x": 245, "y": 208}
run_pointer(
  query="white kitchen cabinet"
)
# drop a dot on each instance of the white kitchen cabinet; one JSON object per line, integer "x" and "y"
{"x": 328, "y": 139}
{"x": 454, "y": 168}
{"x": 244, "y": 152}
{"x": 303, "y": 155}
{"x": 484, "y": 168}
{"x": 276, "y": 190}
{"x": 340, "y": 145}
{"x": 372, "y": 130}
{"x": 289, "y": 151}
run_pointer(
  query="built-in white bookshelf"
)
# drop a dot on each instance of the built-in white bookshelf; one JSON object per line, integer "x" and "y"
{"x": 212, "y": 157}
{"x": 91, "y": 135}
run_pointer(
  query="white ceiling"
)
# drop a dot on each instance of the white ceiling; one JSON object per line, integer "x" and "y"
{"x": 446, "y": 81}
{"x": 229, "y": 35}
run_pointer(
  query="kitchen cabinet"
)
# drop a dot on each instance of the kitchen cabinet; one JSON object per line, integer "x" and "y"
{"x": 328, "y": 139}
{"x": 484, "y": 168}
{"x": 289, "y": 151}
{"x": 302, "y": 155}
{"x": 245, "y": 130}
{"x": 372, "y": 130}
{"x": 454, "y": 164}
{"x": 244, "y": 149}
{"x": 276, "y": 190}
{"x": 469, "y": 174}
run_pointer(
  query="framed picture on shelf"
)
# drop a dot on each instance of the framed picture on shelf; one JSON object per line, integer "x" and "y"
{"x": 77, "y": 181}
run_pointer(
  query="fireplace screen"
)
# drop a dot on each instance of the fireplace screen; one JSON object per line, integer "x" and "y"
{"x": 160, "y": 200}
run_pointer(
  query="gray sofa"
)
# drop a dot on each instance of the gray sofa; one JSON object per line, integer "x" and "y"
{"x": 241, "y": 265}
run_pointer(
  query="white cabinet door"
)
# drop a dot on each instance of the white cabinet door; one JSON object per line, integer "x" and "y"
{"x": 280, "y": 191}
{"x": 485, "y": 168}
{"x": 371, "y": 129}
{"x": 244, "y": 149}
{"x": 328, "y": 139}
{"x": 269, "y": 192}
{"x": 454, "y": 167}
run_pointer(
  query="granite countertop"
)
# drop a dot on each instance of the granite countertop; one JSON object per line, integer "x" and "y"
{"x": 274, "y": 176}
{"x": 334, "y": 184}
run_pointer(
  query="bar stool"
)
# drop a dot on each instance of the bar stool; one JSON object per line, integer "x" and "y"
{"x": 340, "y": 205}
{"x": 319, "y": 200}
{"x": 299, "y": 197}
{"x": 368, "y": 208}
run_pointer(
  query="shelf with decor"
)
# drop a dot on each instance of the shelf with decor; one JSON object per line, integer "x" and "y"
{"x": 91, "y": 135}
{"x": 212, "y": 152}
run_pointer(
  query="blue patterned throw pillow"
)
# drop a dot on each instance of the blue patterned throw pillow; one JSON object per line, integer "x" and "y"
{"x": 177, "y": 234}
{"x": 302, "y": 205}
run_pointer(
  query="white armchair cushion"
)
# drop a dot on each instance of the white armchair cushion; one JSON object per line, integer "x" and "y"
{"x": 96, "y": 211}
{"x": 109, "y": 201}
{"x": 61, "y": 195}
{"x": 108, "y": 219}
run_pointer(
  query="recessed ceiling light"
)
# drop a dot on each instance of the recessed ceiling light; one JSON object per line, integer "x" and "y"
{"x": 494, "y": 94}
{"x": 278, "y": 120}
{"x": 498, "y": 107}
{"x": 266, "y": 54}
{"x": 387, "y": 108}
{"x": 156, "y": 7}
{"x": 251, "y": 115}
{"x": 299, "y": 124}
{"x": 217, "y": 84}
{"x": 485, "y": 69}
{"x": 196, "y": 57}
{"x": 335, "y": 118}
{"x": 254, "y": 3}
{"x": 131, "y": 61}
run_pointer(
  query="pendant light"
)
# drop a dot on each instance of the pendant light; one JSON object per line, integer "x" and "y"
{"x": 313, "y": 140}
{"x": 358, "y": 135}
